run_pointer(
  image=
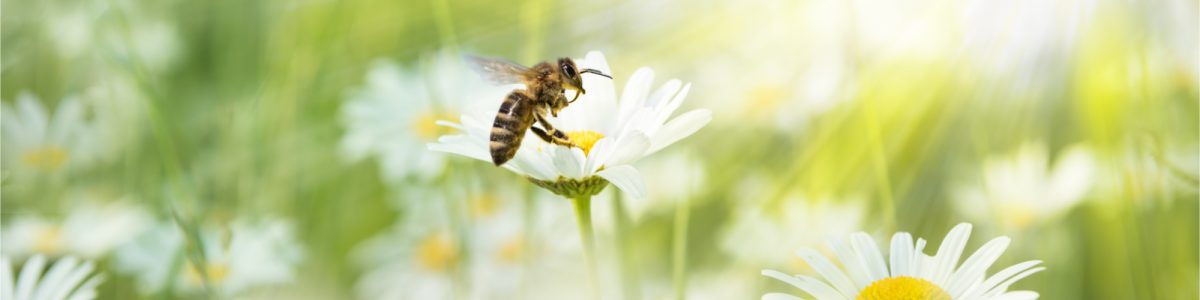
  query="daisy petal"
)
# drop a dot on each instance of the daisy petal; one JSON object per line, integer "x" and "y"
{"x": 809, "y": 285}
{"x": 678, "y": 128}
{"x": 625, "y": 178}
{"x": 780, "y": 296}
{"x": 828, "y": 270}
{"x": 901, "y": 254}
{"x": 973, "y": 269}
{"x": 949, "y": 253}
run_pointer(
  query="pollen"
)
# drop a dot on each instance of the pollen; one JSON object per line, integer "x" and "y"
{"x": 437, "y": 252}
{"x": 584, "y": 139}
{"x": 46, "y": 158}
{"x": 902, "y": 288}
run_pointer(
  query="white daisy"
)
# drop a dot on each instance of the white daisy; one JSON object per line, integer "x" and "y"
{"x": 908, "y": 273}
{"x": 396, "y": 111}
{"x": 1022, "y": 189}
{"x": 248, "y": 255}
{"x": 89, "y": 230}
{"x": 611, "y": 134}
{"x": 68, "y": 278}
{"x": 419, "y": 257}
{"x": 38, "y": 142}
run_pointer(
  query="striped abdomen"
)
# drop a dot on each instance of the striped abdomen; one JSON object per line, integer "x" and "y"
{"x": 514, "y": 117}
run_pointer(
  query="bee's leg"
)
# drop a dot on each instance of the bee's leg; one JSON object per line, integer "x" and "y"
{"x": 551, "y": 135}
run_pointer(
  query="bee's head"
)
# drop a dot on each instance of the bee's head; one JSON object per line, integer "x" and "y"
{"x": 572, "y": 76}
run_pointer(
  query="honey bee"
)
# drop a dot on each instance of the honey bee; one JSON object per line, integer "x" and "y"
{"x": 545, "y": 89}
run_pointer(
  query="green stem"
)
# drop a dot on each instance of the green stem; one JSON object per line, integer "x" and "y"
{"x": 583, "y": 216}
{"x": 629, "y": 280}
{"x": 679, "y": 253}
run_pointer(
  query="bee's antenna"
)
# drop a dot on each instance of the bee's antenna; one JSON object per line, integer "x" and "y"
{"x": 594, "y": 71}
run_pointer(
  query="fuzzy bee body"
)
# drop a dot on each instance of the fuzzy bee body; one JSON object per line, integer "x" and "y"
{"x": 545, "y": 85}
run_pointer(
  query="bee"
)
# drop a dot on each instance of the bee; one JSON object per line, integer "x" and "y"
{"x": 545, "y": 89}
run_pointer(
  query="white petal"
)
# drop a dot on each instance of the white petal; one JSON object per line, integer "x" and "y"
{"x": 1000, "y": 289}
{"x": 810, "y": 285}
{"x": 68, "y": 284}
{"x": 997, "y": 278}
{"x": 917, "y": 265}
{"x": 869, "y": 252}
{"x": 634, "y": 95}
{"x": 973, "y": 269}
{"x": 679, "y": 128}
{"x": 852, "y": 263}
{"x": 568, "y": 161}
{"x": 949, "y": 253}
{"x": 6, "y": 279}
{"x": 1018, "y": 295}
{"x": 55, "y": 278}
{"x": 625, "y": 178}
{"x": 780, "y": 296}
{"x": 671, "y": 106}
{"x": 29, "y": 277}
{"x": 901, "y": 254}
{"x": 87, "y": 291}
{"x": 601, "y": 150}
{"x": 661, "y": 96}
{"x": 827, "y": 269}
{"x": 627, "y": 149}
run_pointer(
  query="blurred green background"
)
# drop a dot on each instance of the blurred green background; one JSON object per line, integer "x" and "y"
{"x": 1070, "y": 126}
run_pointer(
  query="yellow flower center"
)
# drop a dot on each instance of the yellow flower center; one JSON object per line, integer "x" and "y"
{"x": 217, "y": 272}
{"x": 584, "y": 139}
{"x": 437, "y": 252}
{"x": 512, "y": 250}
{"x": 902, "y": 288}
{"x": 48, "y": 240}
{"x": 426, "y": 125}
{"x": 47, "y": 158}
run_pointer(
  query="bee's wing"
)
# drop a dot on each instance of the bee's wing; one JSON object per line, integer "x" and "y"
{"x": 497, "y": 70}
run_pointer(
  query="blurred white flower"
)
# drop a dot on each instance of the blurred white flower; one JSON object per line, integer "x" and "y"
{"x": 611, "y": 134}
{"x": 1022, "y": 189}
{"x": 909, "y": 273}
{"x": 422, "y": 256}
{"x": 795, "y": 222}
{"x": 89, "y": 230}
{"x": 802, "y": 81}
{"x": 38, "y": 142}
{"x": 67, "y": 278}
{"x": 249, "y": 255}
{"x": 395, "y": 113}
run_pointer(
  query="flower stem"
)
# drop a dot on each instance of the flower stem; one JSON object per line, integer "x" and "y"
{"x": 583, "y": 216}
{"x": 629, "y": 274}
{"x": 679, "y": 253}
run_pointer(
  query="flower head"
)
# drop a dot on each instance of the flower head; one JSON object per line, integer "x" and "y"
{"x": 39, "y": 142}
{"x": 89, "y": 230}
{"x": 623, "y": 131}
{"x": 909, "y": 273}
{"x": 248, "y": 255}
{"x": 1024, "y": 189}
{"x": 397, "y": 109}
{"x": 68, "y": 278}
